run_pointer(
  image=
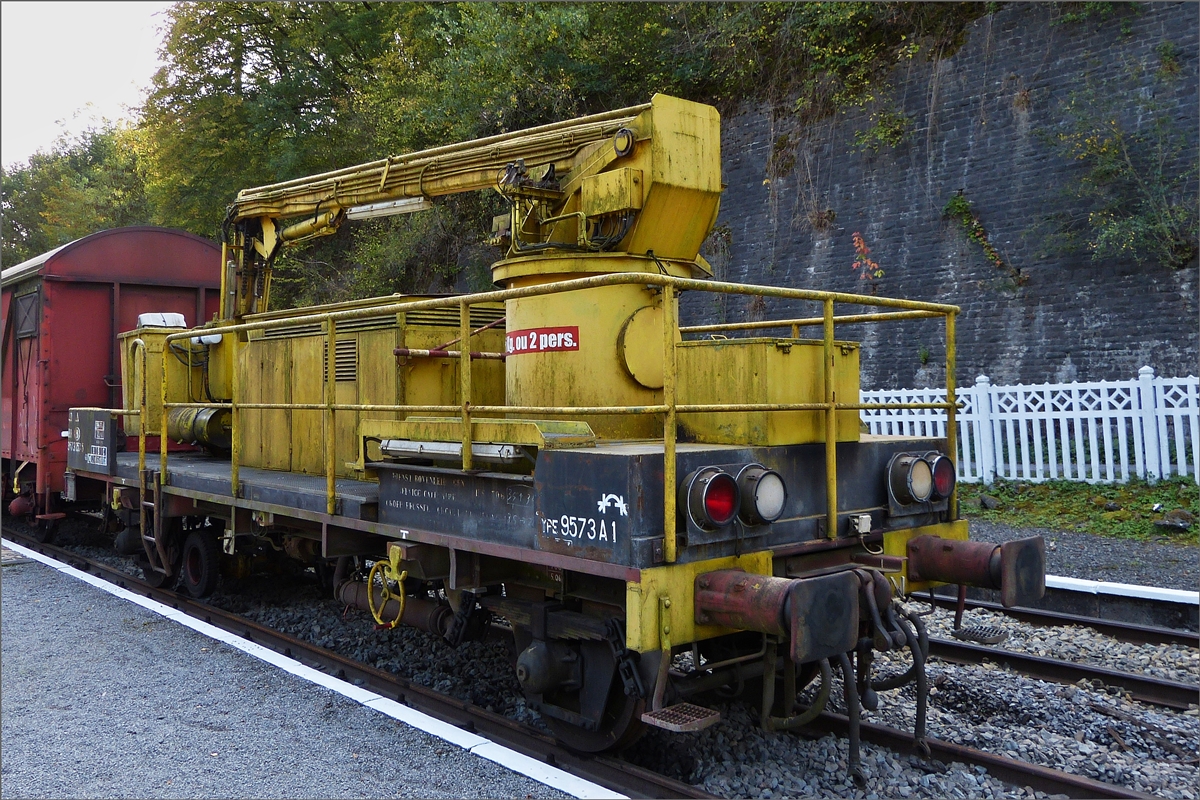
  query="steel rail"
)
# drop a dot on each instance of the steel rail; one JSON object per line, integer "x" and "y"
{"x": 612, "y": 772}
{"x": 609, "y": 771}
{"x": 1011, "y": 770}
{"x": 1121, "y": 631}
{"x": 1147, "y": 689}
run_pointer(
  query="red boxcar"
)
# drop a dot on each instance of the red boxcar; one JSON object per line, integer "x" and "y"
{"x": 62, "y": 312}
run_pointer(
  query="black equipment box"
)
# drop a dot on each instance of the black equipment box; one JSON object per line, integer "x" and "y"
{"x": 93, "y": 441}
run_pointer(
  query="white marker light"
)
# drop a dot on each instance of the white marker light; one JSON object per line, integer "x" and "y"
{"x": 770, "y": 496}
{"x": 763, "y": 492}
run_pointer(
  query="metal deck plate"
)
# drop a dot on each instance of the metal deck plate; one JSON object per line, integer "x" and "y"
{"x": 204, "y": 473}
{"x": 682, "y": 718}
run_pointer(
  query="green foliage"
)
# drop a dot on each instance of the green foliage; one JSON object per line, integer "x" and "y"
{"x": 83, "y": 185}
{"x": 1168, "y": 59}
{"x": 1074, "y": 13}
{"x": 887, "y": 130}
{"x": 960, "y": 210}
{"x": 1137, "y": 180}
{"x": 1070, "y": 505}
{"x": 252, "y": 93}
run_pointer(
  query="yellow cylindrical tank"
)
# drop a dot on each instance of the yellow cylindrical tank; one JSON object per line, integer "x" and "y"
{"x": 209, "y": 427}
{"x": 591, "y": 347}
{"x": 603, "y": 346}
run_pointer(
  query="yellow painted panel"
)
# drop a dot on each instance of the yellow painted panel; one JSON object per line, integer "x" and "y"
{"x": 610, "y": 192}
{"x": 274, "y": 376}
{"x": 765, "y": 370}
{"x": 895, "y": 543}
{"x": 307, "y": 380}
{"x": 181, "y": 387}
{"x": 678, "y": 582}
{"x": 346, "y": 424}
{"x": 592, "y": 375}
{"x": 250, "y": 420}
{"x": 377, "y": 367}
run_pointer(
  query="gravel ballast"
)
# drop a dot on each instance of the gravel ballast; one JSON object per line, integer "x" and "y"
{"x": 139, "y": 706}
{"x": 1080, "y": 729}
{"x": 1074, "y": 554}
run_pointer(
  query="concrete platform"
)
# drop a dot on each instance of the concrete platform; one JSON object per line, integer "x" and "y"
{"x": 103, "y": 697}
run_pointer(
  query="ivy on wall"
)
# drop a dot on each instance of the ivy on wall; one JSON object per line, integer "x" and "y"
{"x": 959, "y": 210}
{"x": 1135, "y": 194}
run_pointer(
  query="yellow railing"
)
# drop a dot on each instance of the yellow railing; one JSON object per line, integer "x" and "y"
{"x": 669, "y": 408}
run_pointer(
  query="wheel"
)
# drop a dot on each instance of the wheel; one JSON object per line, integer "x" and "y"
{"x": 200, "y": 565}
{"x": 602, "y": 694}
{"x": 44, "y": 530}
{"x": 128, "y": 541}
{"x": 621, "y": 719}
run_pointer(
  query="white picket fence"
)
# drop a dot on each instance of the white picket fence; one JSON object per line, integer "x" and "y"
{"x": 1101, "y": 432}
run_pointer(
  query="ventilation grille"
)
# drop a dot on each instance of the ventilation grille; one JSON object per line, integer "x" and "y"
{"x": 346, "y": 326}
{"x": 427, "y": 318}
{"x": 345, "y": 361}
{"x": 448, "y": 317}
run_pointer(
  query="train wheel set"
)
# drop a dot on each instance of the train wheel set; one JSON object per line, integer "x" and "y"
{"x": 657, "y": 510}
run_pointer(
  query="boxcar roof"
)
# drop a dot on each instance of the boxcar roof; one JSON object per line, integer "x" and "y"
{"x": 133, "y": 254}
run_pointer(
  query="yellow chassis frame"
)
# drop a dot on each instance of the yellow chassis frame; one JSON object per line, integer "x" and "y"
{"x": 670, "y": 286}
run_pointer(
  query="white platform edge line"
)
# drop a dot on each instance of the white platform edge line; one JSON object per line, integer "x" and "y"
{"x": 473, "y": 743}
{"x": 1130, "y": 590}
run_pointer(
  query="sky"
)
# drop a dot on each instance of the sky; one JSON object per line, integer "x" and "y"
{"x": 65, "y": 66}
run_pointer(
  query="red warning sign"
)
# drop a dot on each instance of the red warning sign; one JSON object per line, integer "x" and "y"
{"x": 541, "y": 340}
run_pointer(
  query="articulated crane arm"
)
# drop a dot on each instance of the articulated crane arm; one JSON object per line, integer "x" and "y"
{"x": 589, "y": 187}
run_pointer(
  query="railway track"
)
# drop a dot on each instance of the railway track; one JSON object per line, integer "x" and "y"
{"x": 1018, "y": 773}
{"x": 1155, "y": 691}
{"x": 614, "y": 773}
{"x": 1121, "y": 631}
{"x": 609, "y": 771}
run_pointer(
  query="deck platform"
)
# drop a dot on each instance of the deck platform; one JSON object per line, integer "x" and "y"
{"x": 200, "y": 472}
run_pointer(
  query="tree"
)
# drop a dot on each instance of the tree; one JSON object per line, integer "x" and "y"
{"x": 253, "y": 93}
{"x": 83, "y": 185}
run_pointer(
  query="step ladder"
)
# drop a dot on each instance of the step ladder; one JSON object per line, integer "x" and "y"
{"x": 153, "y": 542}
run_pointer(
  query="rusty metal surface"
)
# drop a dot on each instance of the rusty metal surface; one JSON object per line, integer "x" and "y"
{"x": 818, "y": 614}
{"x": 1017, "y": 568}
{"x": 737, "y": 599}
{"x": 823, "y": 616}
{"x": 90, "y": 290}
{"x": 931, "y": 558}
{"x": 1022, "y": 571}
{"x": 419, "y": 612}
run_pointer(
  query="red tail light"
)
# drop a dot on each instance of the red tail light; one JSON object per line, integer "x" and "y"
{"x": 711, "y": 497}
{"x": 721, "y": 499}
{"x": 944, "y": 476}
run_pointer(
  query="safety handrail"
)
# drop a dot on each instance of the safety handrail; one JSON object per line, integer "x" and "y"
{"x": 670, "y": 286}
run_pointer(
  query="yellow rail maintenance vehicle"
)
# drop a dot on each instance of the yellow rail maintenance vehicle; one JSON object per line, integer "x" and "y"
{"x": 561, "y": 452}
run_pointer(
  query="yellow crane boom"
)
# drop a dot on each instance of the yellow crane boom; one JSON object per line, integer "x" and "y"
{"x": 642, "y": 180}
{"x": 438, "y": 171}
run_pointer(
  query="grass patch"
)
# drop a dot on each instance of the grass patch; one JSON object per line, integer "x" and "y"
{"x": 1124, "y": 510}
